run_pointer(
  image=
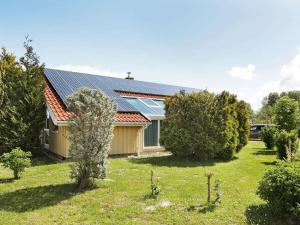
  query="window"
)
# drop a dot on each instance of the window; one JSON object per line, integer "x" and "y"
{"x": 150, "y": 103}
{"x": 152, "y": 134}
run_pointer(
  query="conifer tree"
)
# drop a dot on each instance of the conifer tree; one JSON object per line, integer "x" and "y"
{"x": 22, "y": 112}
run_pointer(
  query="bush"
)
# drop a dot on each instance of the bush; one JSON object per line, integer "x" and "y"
{"x": 284, "y": 139}
{"x": 91, "y": 133}
{"x": 268, "y": 136}
{"x": 243, "y": 115}
{"x": 204, "y": 125}
{"x": 280, "y": 188}
{"x": 16, "y": 160}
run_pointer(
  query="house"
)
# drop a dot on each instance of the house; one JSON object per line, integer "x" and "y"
{"x": 140, "y": 110}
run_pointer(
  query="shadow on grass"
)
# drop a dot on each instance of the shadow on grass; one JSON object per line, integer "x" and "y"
{"x": 270, "y": 163}
{"x": 172, "y": 161}
{"x": 263, "y": 215}
{"x": 6, "y": 180}
{"x": 29, "y": 199}
{"x": 208, "y": 207}
{"x": 265, "y": 152}
{"x": 42, "y": 161}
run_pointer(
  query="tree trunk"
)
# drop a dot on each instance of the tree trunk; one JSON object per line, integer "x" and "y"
{"x": 16, "y": 174}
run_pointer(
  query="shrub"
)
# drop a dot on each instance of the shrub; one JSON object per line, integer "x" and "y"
{"x": 243, "y": 115}
{"x": 203, "y": 125}
{"x": 284, "y": 140}
{"x": 280, "y": 188}
{"x": 268, "y": 136}
{"x": 91, "y": 133}
{"x": 16, "y": 160}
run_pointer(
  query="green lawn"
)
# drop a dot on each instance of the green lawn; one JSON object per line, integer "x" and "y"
{"x": 44, "y": 193}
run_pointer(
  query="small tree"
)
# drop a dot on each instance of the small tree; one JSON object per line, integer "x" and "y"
{"x": 91, "y": 133}
{"x": 154, "y": 186}
{"x": 287, "y": 143}
{"x": 287, "y": 113}
{"x": 209, "y": 176}
{"x": 268, "y": 136}
{"x": 16, "y": 160}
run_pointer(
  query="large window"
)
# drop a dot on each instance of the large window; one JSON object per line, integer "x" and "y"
{"x": 152, "y": 133}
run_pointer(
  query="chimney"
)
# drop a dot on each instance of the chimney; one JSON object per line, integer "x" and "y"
{"x": 129, "y": 77}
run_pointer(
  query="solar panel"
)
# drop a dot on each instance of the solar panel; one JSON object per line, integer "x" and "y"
{"x": 66, "y": 83}
{"x": 146, "y": 109}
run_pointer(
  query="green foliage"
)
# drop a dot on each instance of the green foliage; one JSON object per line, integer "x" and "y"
{"x": 155, "y": 189}
{"x": 91, "y": 133}
{"x": 264, "y": 115}
{"x": 280, "y": 188}
{"x": 205, "y": 125}
{"x": 16, "y": 160}
{"x": 243, "y": 114}
{"x": 287, "y": 113}
{"x": 271, "y": 99}
{"x": 284, "y": 140}
{"x": 22, "y": 114}
{"x": 268, "y": 136}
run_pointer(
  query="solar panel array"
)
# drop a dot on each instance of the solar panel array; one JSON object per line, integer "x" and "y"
{"x": 66, "y": 83}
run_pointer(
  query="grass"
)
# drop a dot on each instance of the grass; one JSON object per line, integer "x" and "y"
{"x": 44, "y": 194}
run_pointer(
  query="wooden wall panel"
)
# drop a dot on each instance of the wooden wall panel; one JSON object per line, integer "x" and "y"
{"x": 127, "y": 140}
{"x": 58, "y": 142}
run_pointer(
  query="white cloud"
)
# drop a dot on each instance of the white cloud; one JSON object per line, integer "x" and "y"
{"x": 245, "y": 73}
{"x": 288, "y": 79}
{"x": 92, "y": 70}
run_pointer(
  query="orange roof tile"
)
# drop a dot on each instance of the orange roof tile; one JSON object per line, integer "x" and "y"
{"x": 61, "y": 112}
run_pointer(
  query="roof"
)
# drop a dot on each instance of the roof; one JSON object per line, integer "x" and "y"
{"x": 61, "y": 112}
{"x": 137, "y": 101}
{"x": 66, "y": 83}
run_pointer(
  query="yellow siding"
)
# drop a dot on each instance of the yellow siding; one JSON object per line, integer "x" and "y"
{"x": 127, "y": 140}
{"x": 58, "y": 142}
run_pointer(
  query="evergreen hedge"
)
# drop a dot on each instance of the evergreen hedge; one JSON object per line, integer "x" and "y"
{"x": 204, "y": 125}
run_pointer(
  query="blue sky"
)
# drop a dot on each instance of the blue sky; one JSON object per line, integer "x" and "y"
{"x": 247, "y": 47}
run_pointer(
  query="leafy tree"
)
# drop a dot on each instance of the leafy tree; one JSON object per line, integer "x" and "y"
{"x": 285, "y": 140}
{"x": 287, "y": 114}
{"x": 264, "y": 115}
{"x": 16, "y": 160}
{"x": 271, "y": 99}
{"x": 243, "y": 115}
{"x": 22, "y": 115}
{"x": 268, "y": 136}
{"x": 91, "y": 133}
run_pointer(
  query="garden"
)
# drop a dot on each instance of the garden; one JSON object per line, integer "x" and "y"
{"x": 45, "y": 193}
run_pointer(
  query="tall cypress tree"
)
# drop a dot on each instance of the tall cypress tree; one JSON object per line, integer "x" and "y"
{"x": 23, "y": 108}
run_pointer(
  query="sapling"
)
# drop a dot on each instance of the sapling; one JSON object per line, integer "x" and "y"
{"x": 218, "y": 191}
{"x": 209, "y": 176}
{"x": 154, "y": 186}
